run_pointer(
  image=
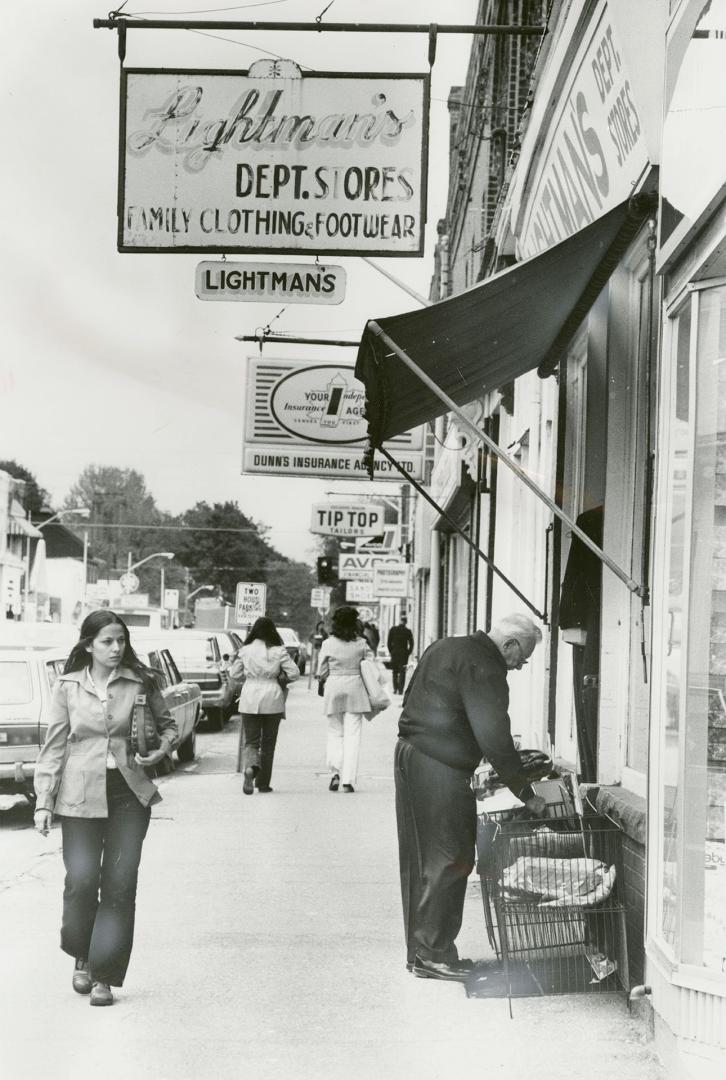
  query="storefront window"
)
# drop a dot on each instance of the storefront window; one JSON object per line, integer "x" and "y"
{"x": 694, "y": 735}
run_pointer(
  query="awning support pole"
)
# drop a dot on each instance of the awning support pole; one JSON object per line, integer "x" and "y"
{"x": 505, "y": 459}
{"x": 422, "y": 491}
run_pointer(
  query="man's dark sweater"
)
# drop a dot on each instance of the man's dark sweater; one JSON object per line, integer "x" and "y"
{"x": 455, "y": 708}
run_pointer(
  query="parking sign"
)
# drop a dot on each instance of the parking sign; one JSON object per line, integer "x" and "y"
{"x": 251, "y": 601}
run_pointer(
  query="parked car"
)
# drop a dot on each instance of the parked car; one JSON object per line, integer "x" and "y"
{"x": 199, "y": 659}
{"x": 28, "y": 674}
{"x": 294, "y": 646}
{"x": 229, "y": 641}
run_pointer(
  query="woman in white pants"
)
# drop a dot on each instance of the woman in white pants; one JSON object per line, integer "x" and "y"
{"x": 346, "y": 702}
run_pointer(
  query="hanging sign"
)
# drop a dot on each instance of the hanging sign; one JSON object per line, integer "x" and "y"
{"x": 349, "y": 519}
{"x": 307, "y": 419}
{"x": 228, "y": 161}
{"x": 250, "y": 601}
{"x": 295, "y": 283}
{"x": 353, "y": 566}
{"x": 359, "y": 590}
{"x": 390, "y": 580}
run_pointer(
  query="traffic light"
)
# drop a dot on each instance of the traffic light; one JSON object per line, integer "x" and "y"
{"x": 326, "y": 570}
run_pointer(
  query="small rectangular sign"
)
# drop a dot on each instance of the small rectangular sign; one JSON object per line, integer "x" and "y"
{"x": 320, "y": 597}
{"x": 293, "y": 283}
{"x": 390, "y": 580}
{"x": 171, "y": 599}
{"x": 250, "y": 601}
{"x": 349, "y": 519}
{"x": 359, "y": 590}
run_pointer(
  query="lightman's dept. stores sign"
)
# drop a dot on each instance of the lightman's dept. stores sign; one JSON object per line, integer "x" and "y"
{"x": 222, "y": 161}
{"x": 295, "y": 283}
{"x": 250, "y": 601}
{"x": 306, "y": 419}
{"x": 349, "y": 519}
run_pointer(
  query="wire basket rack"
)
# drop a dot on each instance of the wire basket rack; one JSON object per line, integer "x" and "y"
{"x": 551, "y": 892}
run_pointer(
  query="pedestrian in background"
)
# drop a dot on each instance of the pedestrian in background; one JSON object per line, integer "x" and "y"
{"x": 400, "y": 647}
{"x": 263, "y": 663}
{"x": 454, "y": 713}
{"x": 87, "y": 774}
{"x": 345, "y": 702}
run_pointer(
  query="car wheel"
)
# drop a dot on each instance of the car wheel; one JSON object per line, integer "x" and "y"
{"x": 187, "y": 750}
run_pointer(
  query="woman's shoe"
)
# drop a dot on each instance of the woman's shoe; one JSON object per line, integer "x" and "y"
{"x": 82, "y": 977}
{"x": 334, "y": 782}
{"x": 249, "y": 785}
{"x": 101, "y": 994}
{"x": 348, "y": 789}
{"x": 264, "y": 790}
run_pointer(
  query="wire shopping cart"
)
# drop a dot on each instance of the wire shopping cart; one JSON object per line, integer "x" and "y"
{"x": 551, "y": 895}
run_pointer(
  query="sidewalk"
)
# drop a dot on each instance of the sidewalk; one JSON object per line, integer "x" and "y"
{"x": 269, "y": 944}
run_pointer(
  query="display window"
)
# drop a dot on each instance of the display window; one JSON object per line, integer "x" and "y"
{"x": 689, "y": 705}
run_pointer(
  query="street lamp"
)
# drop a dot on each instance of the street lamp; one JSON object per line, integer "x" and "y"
{"x": 155, "y": 555}
{"x": 200, "y": 588}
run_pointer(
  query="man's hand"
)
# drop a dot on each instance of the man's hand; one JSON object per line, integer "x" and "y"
{"x": 536, "y": 806}
{"x": 42, "y": 820}
{"x": 153, "y": 758}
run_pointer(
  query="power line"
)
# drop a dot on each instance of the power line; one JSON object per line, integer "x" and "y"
{"x": 179, "y": 528}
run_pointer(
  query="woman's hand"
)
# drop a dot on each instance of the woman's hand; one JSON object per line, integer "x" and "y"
{"x": 42, "y": 820}
{"x": 151, "y": 759}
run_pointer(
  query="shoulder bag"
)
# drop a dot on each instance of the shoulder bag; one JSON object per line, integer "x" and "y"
{"x": 145, "y": 738}
{"x": 371, "y": 675}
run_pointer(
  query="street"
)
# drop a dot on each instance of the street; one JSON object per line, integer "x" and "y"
{"x": 269, "y": 942}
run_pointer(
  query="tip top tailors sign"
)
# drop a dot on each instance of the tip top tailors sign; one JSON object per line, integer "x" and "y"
{"x": 307, "y": 419}
{"x": 226, "y": 161}
{"x": 293, "y": 283}
{"x": 347, "y": 519}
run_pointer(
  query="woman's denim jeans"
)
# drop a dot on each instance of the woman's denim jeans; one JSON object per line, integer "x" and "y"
{"x": 101, "y": 857}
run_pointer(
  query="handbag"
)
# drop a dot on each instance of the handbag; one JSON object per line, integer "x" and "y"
{"x": 371, "y": 676}
{"x": 321, "y": 685}
{"x": 145, "y": 738}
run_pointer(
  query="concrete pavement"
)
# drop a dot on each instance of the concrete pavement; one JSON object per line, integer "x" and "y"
{"x": 269, "y": 943}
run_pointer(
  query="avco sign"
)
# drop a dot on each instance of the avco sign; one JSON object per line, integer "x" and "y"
{"x": 293, "y": 283}
{"x": 307, "y": 419}
{"x": 256, "y": 162}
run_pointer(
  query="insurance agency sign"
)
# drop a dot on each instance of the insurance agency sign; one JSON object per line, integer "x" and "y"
{"x": 222, "y": 161}
{"x": 307, "y": 419}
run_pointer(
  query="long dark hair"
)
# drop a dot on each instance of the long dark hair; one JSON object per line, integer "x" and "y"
{"x": 345, "y": 623}
{"x": 263, "y": 629}
{"x": 91, "y": 627}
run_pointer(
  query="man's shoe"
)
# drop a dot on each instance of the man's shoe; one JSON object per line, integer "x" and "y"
{"x": 82, "y": 978}
{"x": 334, "y": 782}
{"x": 101, "y": 994}
{"x": 348, "y": 789}
{"x": 264, "y": 790}
{"x": 455, "y": 971}
{"x": 249, "y": 784}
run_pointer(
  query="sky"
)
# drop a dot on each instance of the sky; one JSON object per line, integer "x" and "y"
{"x": 110, "y": 359}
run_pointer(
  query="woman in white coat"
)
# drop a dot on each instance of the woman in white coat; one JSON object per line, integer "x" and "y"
{"x": 345, "y": 701}
{"x": 261, "y": 661}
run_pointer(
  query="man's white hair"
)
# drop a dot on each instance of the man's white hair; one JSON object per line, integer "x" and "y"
{"x": 520, "y": 627}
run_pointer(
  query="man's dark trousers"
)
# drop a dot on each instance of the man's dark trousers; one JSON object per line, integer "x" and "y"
{"x": 436, "y": 815}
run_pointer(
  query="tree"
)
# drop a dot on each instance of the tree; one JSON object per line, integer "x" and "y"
{"x": 118, "y": 499}
{"x": 221, "y": 546}
{"x": 33, "y": 497}
{"x": 288, "y": 597}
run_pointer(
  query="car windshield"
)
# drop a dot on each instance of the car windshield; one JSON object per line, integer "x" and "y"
{"x": 15, "y": 686}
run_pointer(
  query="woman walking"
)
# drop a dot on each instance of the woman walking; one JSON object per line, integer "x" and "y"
{"x": 261, "y": 661}
{"x": 346, "y": 701}
{"x": 88, "y": 775}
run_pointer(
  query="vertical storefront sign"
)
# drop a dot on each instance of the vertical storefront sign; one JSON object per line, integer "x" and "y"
{"x": 222, "y": 161}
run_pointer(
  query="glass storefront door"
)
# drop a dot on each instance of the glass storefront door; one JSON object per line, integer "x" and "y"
{"x": 690, "y": 705}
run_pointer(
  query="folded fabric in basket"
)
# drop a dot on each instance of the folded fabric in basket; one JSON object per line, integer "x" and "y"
{"x": 558, "y": 882}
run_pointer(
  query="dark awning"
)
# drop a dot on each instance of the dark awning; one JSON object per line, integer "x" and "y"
{"x": 483, "y": 338}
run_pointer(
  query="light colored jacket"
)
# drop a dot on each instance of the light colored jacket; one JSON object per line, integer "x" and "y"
{"x": 260, "y": 666}
{"x": 339, "y": 665}
{"x": 70, "y": 773}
